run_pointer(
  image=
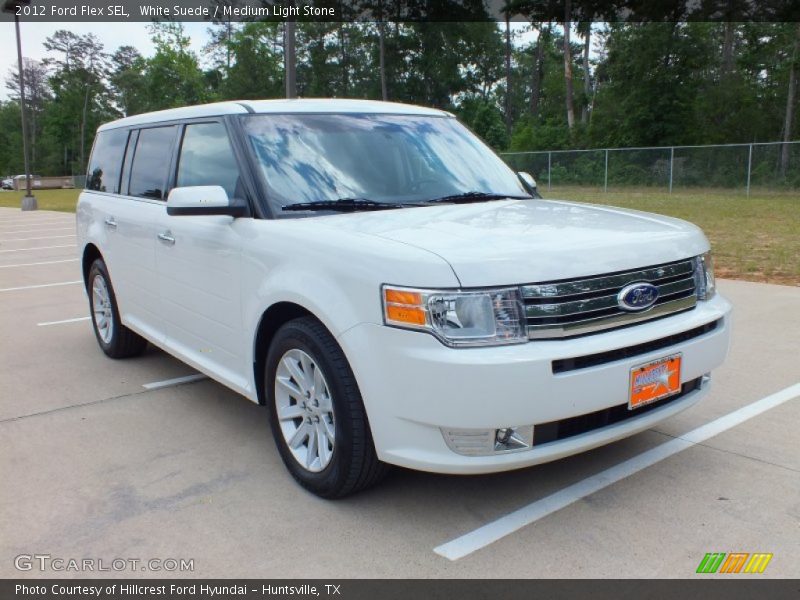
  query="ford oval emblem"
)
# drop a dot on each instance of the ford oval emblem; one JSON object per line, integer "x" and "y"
{"x": 637, "y": 296}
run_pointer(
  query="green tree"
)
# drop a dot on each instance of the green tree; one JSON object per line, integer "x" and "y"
{"x": 174, "y": 77}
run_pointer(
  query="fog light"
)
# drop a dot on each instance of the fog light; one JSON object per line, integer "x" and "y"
{"x": 485, "y": 442}
{"x": 513, "y": 438}
{"x": 502, "y": 436}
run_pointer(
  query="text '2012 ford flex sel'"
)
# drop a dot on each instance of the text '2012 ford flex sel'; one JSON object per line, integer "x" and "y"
{"x": 390, "y": 290}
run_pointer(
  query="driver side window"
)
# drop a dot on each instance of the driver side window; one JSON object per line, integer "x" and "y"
{"x": 207, "y": 158}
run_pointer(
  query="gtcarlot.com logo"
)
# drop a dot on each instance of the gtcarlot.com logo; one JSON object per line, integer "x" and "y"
{"x": 734, "y": 562}
{"x": 47, "y": 562}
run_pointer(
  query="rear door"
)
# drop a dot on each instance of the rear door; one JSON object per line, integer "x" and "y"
{"x": 199, "y": 261}
{"x": 144, "y": 182}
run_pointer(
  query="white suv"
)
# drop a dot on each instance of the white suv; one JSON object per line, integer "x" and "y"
{"x": 389, "y": 288}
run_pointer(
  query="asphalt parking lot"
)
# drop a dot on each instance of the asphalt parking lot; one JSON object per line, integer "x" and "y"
{"x": 96, "y": 465}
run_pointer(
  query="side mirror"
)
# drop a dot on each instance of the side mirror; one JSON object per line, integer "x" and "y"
{"x": 203, "y": 200}
{"x": 530, "y": 183}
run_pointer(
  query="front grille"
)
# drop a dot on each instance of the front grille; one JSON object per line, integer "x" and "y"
{"x": 573, "y": 307}
{"x": 564, "y": 365}
{"x": 545, "y": 433}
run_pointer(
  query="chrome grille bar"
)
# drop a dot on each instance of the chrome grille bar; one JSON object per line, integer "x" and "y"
{"x": 603, "y": 302}
{"x": 579, "y": 307}
{"x": 609, "y": 282}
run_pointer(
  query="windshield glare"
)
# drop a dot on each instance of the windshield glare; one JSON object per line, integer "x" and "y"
{"x": 384, "y": 158}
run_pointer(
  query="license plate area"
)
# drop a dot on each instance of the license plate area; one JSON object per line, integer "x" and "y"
{"x": 654, "y": 380}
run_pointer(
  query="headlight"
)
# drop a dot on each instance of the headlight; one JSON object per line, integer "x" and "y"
{"x": 704, "y": 276}
{"x": 458, "y": 318}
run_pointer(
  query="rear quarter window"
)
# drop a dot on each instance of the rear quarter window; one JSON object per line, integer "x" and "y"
{"x": 105, "y": 164}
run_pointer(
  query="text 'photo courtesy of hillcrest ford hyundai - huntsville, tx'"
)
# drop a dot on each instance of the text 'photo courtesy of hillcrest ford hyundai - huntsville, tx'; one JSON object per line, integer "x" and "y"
{"x": 389, "y": 288}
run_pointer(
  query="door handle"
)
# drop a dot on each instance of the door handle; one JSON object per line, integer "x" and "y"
{"x": 167, "y": 238}
{"x": 111, "y": 223}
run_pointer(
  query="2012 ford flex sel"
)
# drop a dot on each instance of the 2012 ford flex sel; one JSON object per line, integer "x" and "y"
{"x": 389, "y": 288}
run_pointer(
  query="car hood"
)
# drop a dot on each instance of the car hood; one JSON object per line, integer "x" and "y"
{"x": 525, "y": 241}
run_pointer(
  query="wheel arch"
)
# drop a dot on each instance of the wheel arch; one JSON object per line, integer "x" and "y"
{"x": 90, "y": 254}
{"x": 271, "y": 320}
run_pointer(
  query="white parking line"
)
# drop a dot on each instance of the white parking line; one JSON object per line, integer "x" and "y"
{"x": 31, "y": 222}
{"x": 491, "y": 532}
{"x": 34, "y": 223}
{"x": 49, "y": 237}
{"x": 39, "y": 230}
{"x": 36, "y": 264}
{"x": 37, "y": 248}
{"x": 75, "y": 320}
{"x": 42, "y": 285}
{"x": 157, "y": 385}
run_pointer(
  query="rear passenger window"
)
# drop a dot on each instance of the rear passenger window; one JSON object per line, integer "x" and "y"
{"x": 207, "y": 158}
{"x": 151, "y": 162}
{"x": 105, "y": 163}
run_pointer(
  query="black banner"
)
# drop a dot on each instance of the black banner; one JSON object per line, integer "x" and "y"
{"x": 733, "y": 588}
{"x": 400, "y": 10}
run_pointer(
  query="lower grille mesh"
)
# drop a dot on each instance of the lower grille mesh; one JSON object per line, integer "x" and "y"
{"x": 544, "y": 433}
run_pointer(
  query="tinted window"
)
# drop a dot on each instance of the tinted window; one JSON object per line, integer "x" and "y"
{"x": 151, "y": 162}
{"x": 207, "y": 158}
{"x": 106, "y": 161}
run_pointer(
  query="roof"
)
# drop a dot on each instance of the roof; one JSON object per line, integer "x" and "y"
{"x": 317, "y": 105}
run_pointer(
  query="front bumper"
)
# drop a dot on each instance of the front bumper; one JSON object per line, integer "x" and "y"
{"x": 413, "y": 387}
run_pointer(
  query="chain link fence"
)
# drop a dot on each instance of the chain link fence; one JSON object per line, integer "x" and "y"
{"x": 739, "y": 167}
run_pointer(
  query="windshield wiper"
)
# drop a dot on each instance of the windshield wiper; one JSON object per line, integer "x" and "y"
{"x": 474, "y": 197}
{"x": 345, "y": 205}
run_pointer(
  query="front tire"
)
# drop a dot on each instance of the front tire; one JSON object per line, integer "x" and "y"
{"x": 316, "y": 412}
{"x": 116, "y": 340}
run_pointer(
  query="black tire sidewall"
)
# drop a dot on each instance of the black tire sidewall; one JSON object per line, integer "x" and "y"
{"x": 345, "y": 397}
{"x": 98, "y": 269}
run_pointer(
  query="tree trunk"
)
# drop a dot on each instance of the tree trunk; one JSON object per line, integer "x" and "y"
{"x": 33, "y": 139}
{"x": 382, "y": 55}
{"x": 289, "y": 59}
{"x": 791, "y": 95}
{"x": 382, "y": 52}
{"x": 508, "y": 73}
{"x": 538, "y": 69}
{"x": 568, "y": 65}
{"x": 83, "y": 128}
{"x": 587, "y": 78}
{"x": 727, "y": 48}
{"x": 343, "y": 55}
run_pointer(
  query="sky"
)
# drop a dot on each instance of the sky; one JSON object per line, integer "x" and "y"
{"x": 112, "y": 35}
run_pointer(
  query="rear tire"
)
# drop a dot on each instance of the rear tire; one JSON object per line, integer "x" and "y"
{"x": 316, "y": 412}
{"x": 116, "y": 340}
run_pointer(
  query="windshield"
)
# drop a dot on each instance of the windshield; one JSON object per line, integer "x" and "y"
{"x": 393, "y": 159}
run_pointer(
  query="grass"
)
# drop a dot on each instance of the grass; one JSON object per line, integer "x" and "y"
{"x": 60, "y": 200}
{"x": 755, "y": 238}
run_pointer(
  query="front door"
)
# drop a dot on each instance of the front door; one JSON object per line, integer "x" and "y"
{"x": 198, "y": 259}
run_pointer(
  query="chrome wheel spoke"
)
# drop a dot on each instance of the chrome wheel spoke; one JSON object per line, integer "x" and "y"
{"x": 293, "y": 390}
{"x": 291, "y": 412}
{"x": 297, "y": 374}
{"x": 299, "y": 436}
{"x": 311, "y": 448}
{"x": 328, "y": 429}
{"x": 324, "y": 401}
{"x": 323, "y": 444}
{"x": 319, "y": 385}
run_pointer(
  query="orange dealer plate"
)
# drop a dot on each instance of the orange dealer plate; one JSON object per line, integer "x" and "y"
{"x": 654, "y": 380}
